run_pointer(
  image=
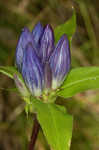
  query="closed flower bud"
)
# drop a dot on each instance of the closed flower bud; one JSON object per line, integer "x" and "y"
{"x": 37, "y": 33}
{"x": 26, "y": 36}
{"x": 60, "y": 62}
{"x": 32, "y": 71}
{"x": 42, "y": 65}
{"x": 47, "y": 43}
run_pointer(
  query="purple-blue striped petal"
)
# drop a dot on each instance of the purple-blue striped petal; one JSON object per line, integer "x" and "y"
{"x": 25, "y": 38}
{"x": 47, "y": 76}
{"x": 32, "y": 71}
{"x": 37, "y": 33}
{"x": 47, "y": 43}
{"x": 60, "y": 62}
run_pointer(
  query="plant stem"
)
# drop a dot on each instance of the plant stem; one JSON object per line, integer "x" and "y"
{"x": 35, "y": 131}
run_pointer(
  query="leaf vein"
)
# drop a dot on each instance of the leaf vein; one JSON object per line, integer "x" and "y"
{"x": 78, "y": 81}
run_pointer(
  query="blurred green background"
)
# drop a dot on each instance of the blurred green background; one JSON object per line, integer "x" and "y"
{"x": 15, "y": 127}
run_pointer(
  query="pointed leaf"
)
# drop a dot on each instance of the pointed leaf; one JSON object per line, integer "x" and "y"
{"x": 56, "y": 124}
{"x": 79, "y": 80}
{"x": 67, "y": 28}
{"x": 8, "y": 70}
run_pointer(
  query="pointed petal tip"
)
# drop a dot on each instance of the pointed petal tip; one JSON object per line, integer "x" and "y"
{"x": 38, "y": 24}
{"x": 63, "y": 44}
{"x": 64, "y": 38}
{"x": 25, "y": 37}
{"x": 25, "y": 29}
{"x": 48, "y": 27}
{"x": 47, "y": 43}
{"x": 37, "y": 33}
{"x": 36, "y": 27}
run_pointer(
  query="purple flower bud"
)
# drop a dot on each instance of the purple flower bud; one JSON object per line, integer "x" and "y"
{"x": 43, "y": 66}
{"x": 47, "y": 43}
{"x": 37, "y": 32}
{"x": 26, "y": 36}
{"x": 60, "y": 62}
{"x": 32, "y": 71}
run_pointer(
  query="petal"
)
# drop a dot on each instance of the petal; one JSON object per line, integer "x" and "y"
{"x": 60, "y": 62}
{"x": 47, "y": 43}
{"x": 47, "y": 76}
{"x": 25, "y": 38}
{"x": 37, "y": 32}
{"x": 32, "y": 71}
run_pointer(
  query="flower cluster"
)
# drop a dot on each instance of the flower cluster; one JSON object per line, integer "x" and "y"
{"x": 43, "y": 64}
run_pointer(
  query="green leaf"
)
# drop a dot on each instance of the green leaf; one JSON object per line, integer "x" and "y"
{"x": 67, "y": 28}
{"x": 56, "y": 124}
{"x": 79, "y": 80}
{"x": 9, "y": 71}
{"x": 9, "y": 89}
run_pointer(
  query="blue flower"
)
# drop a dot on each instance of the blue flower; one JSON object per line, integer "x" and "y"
{"x": 42, "y": 64}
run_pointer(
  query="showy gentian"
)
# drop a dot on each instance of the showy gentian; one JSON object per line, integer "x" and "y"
{"x": 43, "y": 64}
